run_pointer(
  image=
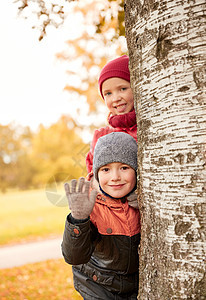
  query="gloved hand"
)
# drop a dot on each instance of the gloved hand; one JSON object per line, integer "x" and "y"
{"x": 81, "y": 201}
{"x": 132, "y": 200}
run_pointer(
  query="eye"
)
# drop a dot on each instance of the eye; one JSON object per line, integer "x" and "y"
{"x": 123, "y": 89}
{"x": 105, "y": 169}
{"x": 107, "y": 94}
{"x": 125, "y": 168}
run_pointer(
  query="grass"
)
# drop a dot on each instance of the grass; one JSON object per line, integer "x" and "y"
{"x": 29, "y": 215}
{"x": 51, "y": 280}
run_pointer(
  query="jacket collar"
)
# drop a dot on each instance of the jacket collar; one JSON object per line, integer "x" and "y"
{"x": 123, "y": 121}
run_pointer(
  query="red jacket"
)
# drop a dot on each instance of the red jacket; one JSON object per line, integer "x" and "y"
{"x": 120, "y": 123}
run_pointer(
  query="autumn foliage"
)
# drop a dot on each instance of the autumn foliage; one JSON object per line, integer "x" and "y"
{"x": 30, "y": 159}
{"x": 50, "y": 279}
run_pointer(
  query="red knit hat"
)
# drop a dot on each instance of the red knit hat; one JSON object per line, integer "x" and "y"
{"x": 118, "y": 67}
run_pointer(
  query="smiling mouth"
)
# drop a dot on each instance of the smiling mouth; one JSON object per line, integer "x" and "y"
{"x": 121, "y": 107}
{"x": 117, "y": 186}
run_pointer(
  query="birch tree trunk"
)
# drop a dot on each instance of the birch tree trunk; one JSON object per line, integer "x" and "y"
{"x": 167, "y": 49}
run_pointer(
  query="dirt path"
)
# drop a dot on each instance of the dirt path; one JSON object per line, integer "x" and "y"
{"x": 13, "y": 256}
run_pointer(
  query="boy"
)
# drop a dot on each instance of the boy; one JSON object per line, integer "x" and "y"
{"x": 102, "y": 232}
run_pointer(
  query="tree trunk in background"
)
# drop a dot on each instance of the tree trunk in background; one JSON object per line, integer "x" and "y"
{"x": 167, "y": 49}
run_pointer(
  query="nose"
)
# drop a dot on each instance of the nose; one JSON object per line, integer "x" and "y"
{"x": 116, "y": 96}
{"x": 115, "y": 175}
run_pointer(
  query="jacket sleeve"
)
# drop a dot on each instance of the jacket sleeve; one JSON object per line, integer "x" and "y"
{"x": 78, "y": 242}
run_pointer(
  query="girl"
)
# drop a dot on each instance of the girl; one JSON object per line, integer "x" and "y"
{"x": 114, "y": 87}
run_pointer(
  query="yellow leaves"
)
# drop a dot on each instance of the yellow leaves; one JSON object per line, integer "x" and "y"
{"x": 50, "y": 279}
{"x": 30, "y": 159}
{"x": 102, "y": 21}
{"x": 53, "y": 151}
{"x": 74, "y": 89}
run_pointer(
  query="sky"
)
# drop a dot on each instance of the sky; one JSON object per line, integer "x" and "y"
{"x": 31, "y": 78}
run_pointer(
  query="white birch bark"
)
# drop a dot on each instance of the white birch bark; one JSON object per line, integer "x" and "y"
{"x": 167, "y": 49}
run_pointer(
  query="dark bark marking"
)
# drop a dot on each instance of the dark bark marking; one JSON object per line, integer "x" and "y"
{"x": 199, "y": 77}
{"x": 164, "y": 45}
{"x": 183, "y": 89}
{"x": 193, "y": 181}
{"x": 182, "y": 227}
{"x": 190, "y": 158}
{"x": 179, "y": 158}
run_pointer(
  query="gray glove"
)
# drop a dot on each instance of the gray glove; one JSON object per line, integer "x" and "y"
{"x": 81, "y": 200}
{"x": 132, "y": 200}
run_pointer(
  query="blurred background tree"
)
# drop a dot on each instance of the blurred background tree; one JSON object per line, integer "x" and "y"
{"x": 56, "y": 151}
{"x": 108, "y": 13}
{"x": 102, "y": 38}
{"x": 29, "y": 160}
{"x": 15, "y": 142}
{"x": 99, "y": 38}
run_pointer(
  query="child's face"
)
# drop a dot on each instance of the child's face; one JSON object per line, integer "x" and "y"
{"x": 118, "y": 95}
{"x": 117, "y": 179}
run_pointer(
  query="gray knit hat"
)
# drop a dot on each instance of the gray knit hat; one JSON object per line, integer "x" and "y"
{"x": 115, "y": 147}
